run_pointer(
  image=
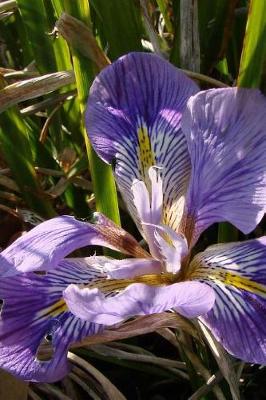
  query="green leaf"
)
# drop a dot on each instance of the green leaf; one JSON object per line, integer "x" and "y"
{"x": 101, "y": 174}
{"x": 164, "y": 9}
{"x": 254, "y": 49}
{"x": 119, "y": 25}
{"x": 41, "y": 43}
{"x": 212, "y": 21}
{"x": 17, "y": 153}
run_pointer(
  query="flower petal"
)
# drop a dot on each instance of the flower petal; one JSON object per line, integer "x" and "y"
{"x": 173, "y": 247}
{"x": 33, "y": 310}
{"x": 131, "y": 267}
{"x": 133, "y": 118}
{"x": 45, "y": 245}
{"x": 188, "y": 298}
{"x": 149, "y": 207}
{"x": 237, "y": 274}
{"x": 225, "y": 130}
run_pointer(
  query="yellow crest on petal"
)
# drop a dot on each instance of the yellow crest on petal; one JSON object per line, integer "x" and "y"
{"x": 145, "y": 152}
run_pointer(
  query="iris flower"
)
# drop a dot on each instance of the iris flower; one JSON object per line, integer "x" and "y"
{"x": 183, "y": 160}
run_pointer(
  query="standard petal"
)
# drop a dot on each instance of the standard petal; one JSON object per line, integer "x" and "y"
{"x": 133, "y": 118}
{"x": 225, "y": 130}
{"x": 188, "y": 298}
{"x": 33, "y": 312}
{"x": 45, "y": 245}
{"x": 149, "y": 207}
{"x": 173, "y": 247}
{"x": 237, "y": 274}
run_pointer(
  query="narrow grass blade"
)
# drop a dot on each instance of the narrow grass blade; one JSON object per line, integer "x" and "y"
{"x": 254, "y": 49}
{"x": 17, "y": 153}
{"x": 214, "y": 28}
{"x": 119, "y": 25}
{"x": 227, "y": 233}
{"x": 40, "y": 42}
{"x": 164, "y": 9}
{"x": 102, "y": 178}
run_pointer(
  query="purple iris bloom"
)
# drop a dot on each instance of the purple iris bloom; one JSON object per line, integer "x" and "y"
{"x": 183, "y": 161}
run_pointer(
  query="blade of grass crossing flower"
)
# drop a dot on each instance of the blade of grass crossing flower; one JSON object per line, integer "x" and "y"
{"x": 16, "y": 150}
{"x": 254, "y": 49}
{"x": 102, "y": 178}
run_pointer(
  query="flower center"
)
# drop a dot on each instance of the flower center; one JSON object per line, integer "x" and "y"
{"x": 115, "y": 285}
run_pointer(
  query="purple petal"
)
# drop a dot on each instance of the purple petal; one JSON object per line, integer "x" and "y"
{"x": 237, "y": 274}
{"x": 133, "y": 117}
{"x": 45, "y": 245}
{"x": 149, "y": 207}
{"x": 225, "y": 130}
{"x": 32, "y": 310}
{"x": 131, "y": 267}
{"x": 173, "y": 247}
{"x": 188, "y": 298}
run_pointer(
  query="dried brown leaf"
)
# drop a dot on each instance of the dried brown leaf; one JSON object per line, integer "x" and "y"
{"x": 51, "y": 101}
{"x": 224, "y": 361}
{"x": 81, "y": 38}
{"x": 107, "y": 386}
{"x": 189, "y": 35}
{"x": 16, "y": 389}
{"x": 9, "y": 183}
{"x": 8, "y": 5}
{"x": 53, "y": 391}
{"x": 35, "y": 87}
{"x": 139, "y": 326}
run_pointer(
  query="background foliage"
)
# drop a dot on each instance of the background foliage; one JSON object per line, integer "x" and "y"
{"x": 50, "y": 52}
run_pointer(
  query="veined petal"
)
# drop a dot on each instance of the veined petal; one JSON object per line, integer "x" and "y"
{"x": 172, "y": 246}
{"x": 149, "y": 204}
{"x": 34, "y": 312}
{"x": 188, "y": 298}
{"x": 45, "y": 245}
{"x": 237, "y": 274}
{"x": 156, "y": 195}
{"x": 225, "y": 130}
{"x": 133, "y": 118}
{"x": 131, "y": 267}
{"x": 149, "y": 207}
